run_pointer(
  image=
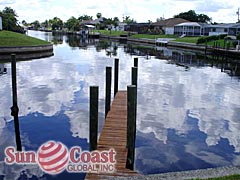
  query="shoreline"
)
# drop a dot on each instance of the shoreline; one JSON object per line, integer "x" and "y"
{"x": 170, "y": 44}
{"x": 26, "y": 52}
{"x": 191, "y": 46}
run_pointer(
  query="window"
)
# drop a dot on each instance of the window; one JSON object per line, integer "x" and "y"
{"x": 213, "y": 29}
{"x": 225, "y": 30}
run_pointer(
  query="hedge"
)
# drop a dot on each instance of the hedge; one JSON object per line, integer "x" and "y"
{"x": 210, "y": 38}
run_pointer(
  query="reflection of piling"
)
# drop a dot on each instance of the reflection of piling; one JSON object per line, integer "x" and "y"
{"x": 116, "y": 67}
{"x": 93, "y": 130}
{"x": 108, "y": 90}
{"x": 14, "y": 108}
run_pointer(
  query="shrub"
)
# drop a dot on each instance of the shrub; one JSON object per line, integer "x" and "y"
{"x": 210, "y": 38}
{"x": 238, "y": 36}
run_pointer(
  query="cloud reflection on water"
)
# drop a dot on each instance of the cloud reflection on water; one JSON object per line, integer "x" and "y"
{"x": 183, "y": 116}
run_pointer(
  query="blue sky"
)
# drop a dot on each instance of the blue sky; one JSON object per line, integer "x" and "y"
{"x": 140, "y": 10}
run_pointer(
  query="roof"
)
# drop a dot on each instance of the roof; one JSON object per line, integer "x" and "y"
{"x": 93, "y": 22}
{"x": 170, "y": 22}
{"x": 189, "y": 24}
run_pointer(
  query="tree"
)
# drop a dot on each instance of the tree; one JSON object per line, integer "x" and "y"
{"x": 193, "y": 17}
{"x": 36, "y": 25}
{"x": 45, "y": 24}
{"x": 57, "y": 23}
{"x": 84, "y": 18}
{"x": 203, "y": 18}
{"x": 115, "y": 21}
{"x": 9, "y": 19}
{"x": 99, "y": 15}
{"x": 72, "y": 24}
{"x": 160, "y": 19}
{"x": 24, "y": 22}
{"x": 127, "y": 20}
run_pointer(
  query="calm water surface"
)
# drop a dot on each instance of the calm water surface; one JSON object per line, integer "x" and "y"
{"x": 188, "y": 109}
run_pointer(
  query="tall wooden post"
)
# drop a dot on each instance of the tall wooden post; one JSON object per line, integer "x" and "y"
{"x": 116, "y": 67}
{"x": 135, "y": 62}
{"x": 108, "y": 90}
{"x": 93, "y": 116}
{"x": 131, "y": 125}
{"x": 14, "y": 108}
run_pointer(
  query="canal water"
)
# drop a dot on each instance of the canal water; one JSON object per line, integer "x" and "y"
{"x": 188, "y": 111}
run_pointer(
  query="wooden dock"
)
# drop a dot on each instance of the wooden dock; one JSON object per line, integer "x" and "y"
{"x": 114, "y": 135}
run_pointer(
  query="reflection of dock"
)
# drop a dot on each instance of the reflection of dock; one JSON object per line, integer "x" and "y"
{"x": 114, "y": 135}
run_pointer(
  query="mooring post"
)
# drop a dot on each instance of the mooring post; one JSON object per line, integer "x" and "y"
{"x": 108, "y": 90}
{"x": 134, "y": 75}
{"x": 131, "y": 125}
{"x": 116, "y": 67}
{"x": 14, "y": 108}
{"x": 135, "y": 62}
{"x": 93, "y": 116}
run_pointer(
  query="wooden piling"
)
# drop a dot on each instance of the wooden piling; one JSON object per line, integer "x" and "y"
{"x": 135, "y": 62}
{"x": 116, "y": 68}
{"x": 14, "y": 108}
{"x": 93, "y": 116}
{"x": 108, "y": 90}
{"x": 134, "y": 75}
{"x": 131, "y": 125}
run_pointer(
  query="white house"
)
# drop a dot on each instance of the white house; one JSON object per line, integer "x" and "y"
{"x": 0, "y": 23}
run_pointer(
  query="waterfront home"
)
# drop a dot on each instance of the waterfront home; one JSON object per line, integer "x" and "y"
{"x": 0, "y": 23}
{"x": 188, "y": 29}
{"x": 95, "y": 22}
{"x": 204, "y": 29}
{"x": 120, "y": 26}
{"x": 229, "y": 28}
{"x": 167, "y": 25}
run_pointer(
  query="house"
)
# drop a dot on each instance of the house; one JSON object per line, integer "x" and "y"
{"x": 1, "y": 23}
{"x": 189, "y": 29}
{"x": 92, "y": 22}
{"x": 204, "y": 29}
{"x": 229, "y": 28}
{"x": 141, "y": 28}
{"x": 120, "y": 27}
{"x": 167, "y": 25}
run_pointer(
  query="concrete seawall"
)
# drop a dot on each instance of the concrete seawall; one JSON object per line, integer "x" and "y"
{"x": 26, "y": 49}
{"x": 26, "y": 52}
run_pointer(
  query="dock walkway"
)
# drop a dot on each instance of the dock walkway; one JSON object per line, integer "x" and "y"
{"x": 114, "y": 135}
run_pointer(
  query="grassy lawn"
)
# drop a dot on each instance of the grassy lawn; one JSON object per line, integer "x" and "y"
{"x": 187, "y": 39}
{"x": 221, "y": 41}
{"x": 110, "y": 33}
{"x": 232, "y": 177}
{"x": 150, "y": 36}
{"x": 8, "y": 38}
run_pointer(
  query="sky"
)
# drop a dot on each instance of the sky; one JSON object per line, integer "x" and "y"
{"x": 221, "y": 11}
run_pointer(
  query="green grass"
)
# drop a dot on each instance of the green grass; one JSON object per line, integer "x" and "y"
{"x": 8, "y": 38}
{"x": 221, "y": 41}
{"x": 111, "y": 33}
{"x": 150, "y": 36}
{"x": 232, "y": 177}
{"x": 188, "y": 39}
